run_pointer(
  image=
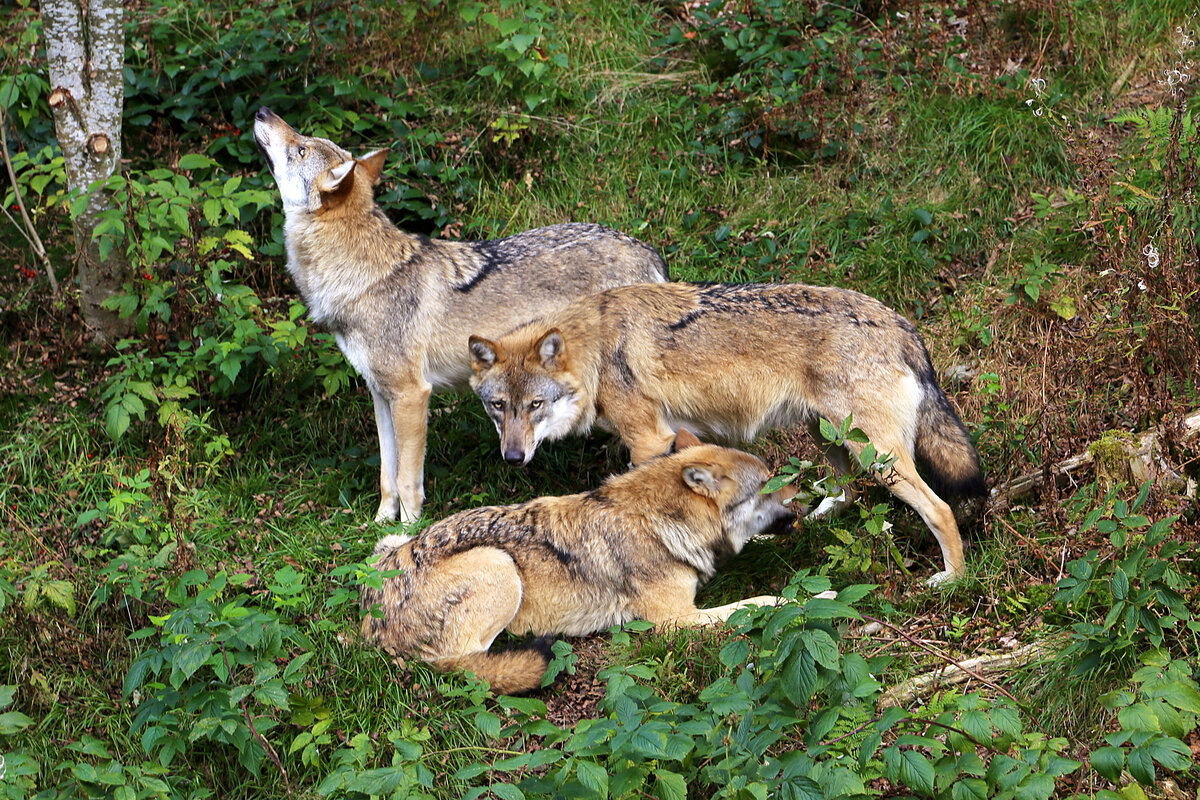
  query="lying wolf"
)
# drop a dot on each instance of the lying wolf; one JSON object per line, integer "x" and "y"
{"x": 636, "y": 548}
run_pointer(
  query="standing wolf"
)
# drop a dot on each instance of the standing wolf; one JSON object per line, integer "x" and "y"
{"x": 729, "y": 361}
{"x": 636, "y": 548}
{"x": 401, "y": 306}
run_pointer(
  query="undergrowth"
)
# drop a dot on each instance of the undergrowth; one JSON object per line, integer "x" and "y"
{"x": 188, "y": 511}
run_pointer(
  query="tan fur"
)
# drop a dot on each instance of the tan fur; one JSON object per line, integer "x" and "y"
{"x": 401, "y": 306}
{"x": 730, "y": 361}
{"x": 636, "y": 548}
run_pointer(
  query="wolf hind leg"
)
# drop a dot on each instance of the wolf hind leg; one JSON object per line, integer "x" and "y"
{"x": 478, "y": 593}
{"x": 902, "y": 480}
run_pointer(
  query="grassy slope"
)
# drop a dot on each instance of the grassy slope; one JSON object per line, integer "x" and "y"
{"x": 959, "y": 144}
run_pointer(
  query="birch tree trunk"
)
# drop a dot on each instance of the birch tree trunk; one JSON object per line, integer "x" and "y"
{"x": 85, "y": 49}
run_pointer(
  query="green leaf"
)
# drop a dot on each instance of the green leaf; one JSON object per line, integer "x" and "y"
{"x": 735, "y": 651}
{"x": 969, "y": 789}
{"x": 593, "y": 776}
{"x": 272, "y": 694}
{"x": 522, "y": 41}
{"x": 1037, "y": 786}
{"x": 1120, "y": 584}
{"x": 1058, "y": 766}
{"x": 60, "y": 594}
{"x": 1138, "y": 717}
{"x": 780, "y": 620}
{"x": 195, "y": 161}
{"x": 506, "y": 791}
{"x": 13, "y": 722}
{"x": 799, "y": 677}
{"x": 777, "y": 482}
{"x": 922, "y": 216}
{"x": 669, "y": 785}
{"x": 488, "y": 724}
{"x": 1171, "y": 753}
{"x": 377, "y": 781}
{"x": 1141, "y": 766}
{"x": 1180, "y": 695}
{"x": 1109, "y": 762}
{"x": 977, "y": 725}
{"x": 822, "y": 648}
{"x": 909, "y": 768}
{"x": 116, "y": 421}
{"x": 822, "y": 608}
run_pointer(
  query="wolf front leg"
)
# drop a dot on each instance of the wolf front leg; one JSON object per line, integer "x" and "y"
{"x": 401, "y": 411}
{"x": 713, "y": 616}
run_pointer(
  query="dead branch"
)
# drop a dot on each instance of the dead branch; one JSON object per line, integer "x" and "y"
{"x": 1138, "y": 458}
{"x": 27, "y": 230}
{"x": 963, "y": 671}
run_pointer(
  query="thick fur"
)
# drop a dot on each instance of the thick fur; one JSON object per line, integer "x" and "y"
{"x": 636, "y": 548}
{"x": 401, "y": 306}
{"x": 731, "y": 360}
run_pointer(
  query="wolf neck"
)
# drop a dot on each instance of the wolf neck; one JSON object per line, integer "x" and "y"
{"x": 337, "y": 256}
{"x": 696, "y": 539}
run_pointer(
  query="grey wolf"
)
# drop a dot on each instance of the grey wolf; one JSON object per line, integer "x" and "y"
{"x": 638, "y": 547}
{"x": 729, "y": 361}
{"x": 401, "y": 306}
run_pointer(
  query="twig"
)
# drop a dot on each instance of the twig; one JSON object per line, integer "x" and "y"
{"x": 962, "y": 671}
{"x": 287, "y": 785}
{"x": 946, "y": 658}
{"x": 30, "y": 233}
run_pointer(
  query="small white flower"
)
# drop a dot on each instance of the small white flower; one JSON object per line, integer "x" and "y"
{"x": 1151, "y": 254}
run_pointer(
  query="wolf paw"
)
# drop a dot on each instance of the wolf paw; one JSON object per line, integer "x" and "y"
{"x": 943, "y": 578}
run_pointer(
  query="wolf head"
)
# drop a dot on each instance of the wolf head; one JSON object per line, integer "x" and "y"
{"x": 531, "y": 396}
{"x": 733, "y": 481}
{"x": 313, "y": 174}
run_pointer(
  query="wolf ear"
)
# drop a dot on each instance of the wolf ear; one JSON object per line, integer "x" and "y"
{"x": 334, "y": 184}
{"x": 550, "y": 348}
{"x": 702, "y": 479}
{"x": 373, "y": 163}
{"x": 683, "y": 440}
{"x": 485, "y": 353}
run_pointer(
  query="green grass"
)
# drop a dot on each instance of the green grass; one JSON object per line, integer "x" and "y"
{"x": 930, "y": 206}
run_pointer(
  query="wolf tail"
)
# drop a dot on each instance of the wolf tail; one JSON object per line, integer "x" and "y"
{"x": 509, "y": 671}
{"x": 944, "y": 447}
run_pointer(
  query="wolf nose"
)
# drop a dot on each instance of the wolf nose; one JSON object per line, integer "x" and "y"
{"x": 263, "y": 114}
{"x": 515, "y": 457}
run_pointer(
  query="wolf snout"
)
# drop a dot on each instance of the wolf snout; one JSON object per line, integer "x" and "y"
{"x": 264, "y": 114}
{"x": 784, "y": 520}
{"x": 514, "y": 456}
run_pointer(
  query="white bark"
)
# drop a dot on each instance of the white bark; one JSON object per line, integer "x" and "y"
{"x": 85, "y": 50}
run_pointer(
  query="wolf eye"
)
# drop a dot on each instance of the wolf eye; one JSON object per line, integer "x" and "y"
{"x": 300, "y": 151}
{"x": 497, "y": 404}
{"x": 535, "y": 404}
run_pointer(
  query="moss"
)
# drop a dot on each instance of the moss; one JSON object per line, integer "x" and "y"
{"x": 1112, "y": 450}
